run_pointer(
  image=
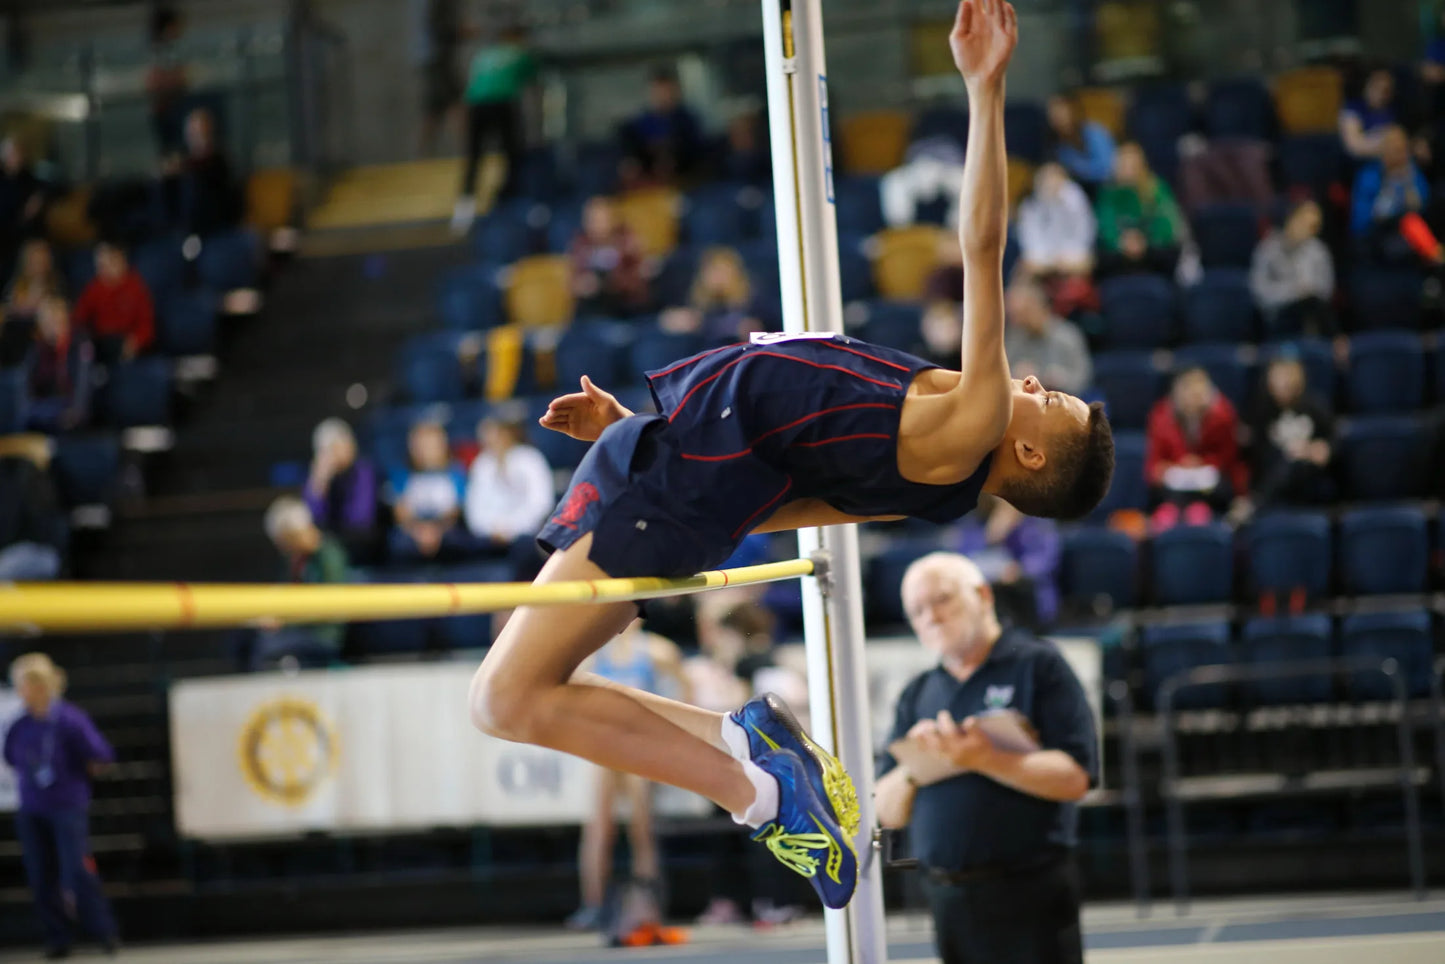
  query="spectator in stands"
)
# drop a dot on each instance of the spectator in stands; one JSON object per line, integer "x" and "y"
{"x": 309, "y": 556}
{"x": 32, "y": 524}
{"x": 720, "y": 304}
{"x": 167, "y": 81}
{"x": 499, "y": 76}
{"x": 1055, "y": 227}
{"x": 1083, "y": 147}
{"x": 56, "y": 751}
{"x": 341, "y": 490}
{"x": 927, "y": 181}
{"x": 429, "y": 505}
{"x": 202, "y": 193}
{"x": 22, "y": 203}
{"x": 1292, "y": 276}
{"x": 116, "y": 307}
{"x": 663, "y": 143}
{"x": 1039, "y": 343}
{"x": 1386, "y": 192}
{"x": 58, "y": 379}
{"x": 1432, "y": 72}
{"x": 607, "y": 264}
{"x": 1018, "y": 556}
{"x": 1290, "y": 437}
{"x": 509, "y": 495}
{"x": 1364, "y": 119}
{"x": 35, "y": 281}
{"x": 747, "y": 158}
{"x": 1191, "y": 458}
{"x": 943, "y": 303}
{"x": 1140, "y": 224}
{"x": 438, "y": 34}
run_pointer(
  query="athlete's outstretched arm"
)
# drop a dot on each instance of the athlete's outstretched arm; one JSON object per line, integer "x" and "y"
{"x": 983, "y": 39}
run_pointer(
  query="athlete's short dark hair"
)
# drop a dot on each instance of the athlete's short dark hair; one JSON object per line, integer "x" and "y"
{"x": 1076, "y": 476}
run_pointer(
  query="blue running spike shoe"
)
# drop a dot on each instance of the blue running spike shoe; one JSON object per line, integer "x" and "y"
{"x": 804, "y": 837}
{"x": 770, "y": 725}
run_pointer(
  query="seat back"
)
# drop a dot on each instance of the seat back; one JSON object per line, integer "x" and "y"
{"x": 1226, "y": 235}
{"x": 1402, "y": 636}
{"x": 1308, "y": 100}
{"x": 652, "y": 216}
{"x": 1193, "y": 565}
{"x": 902, "y": 260}
{"x": 1381, "y": 457}
{"x": 1291, "y": 550}
{"x": 1287, "y": 639}
{"x": 1384, "y": 549}
{"x": 1176, "y": 648}
{"x": 1386, "y": 374}
{"x": 539, "y": 291}
{"x": 1100, "y": 566}
{"x": 1138, "y": 311}
{"x": 873, "y": 142}
{"x": 1131, "y": 384}
{"x": 1220, "y": 308}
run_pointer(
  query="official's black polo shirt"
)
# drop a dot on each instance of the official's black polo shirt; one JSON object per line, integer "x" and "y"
{"x": 970, "y": 821}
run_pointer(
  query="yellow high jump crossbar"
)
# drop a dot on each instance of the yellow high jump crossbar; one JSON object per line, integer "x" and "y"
{"x": 119, "y": 606}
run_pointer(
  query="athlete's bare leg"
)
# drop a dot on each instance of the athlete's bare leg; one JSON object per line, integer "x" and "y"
{"x": 701, "y": 723}
{"x": 523, "y": 691}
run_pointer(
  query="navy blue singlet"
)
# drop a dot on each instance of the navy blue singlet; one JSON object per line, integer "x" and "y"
{"x": 743, "y": 430}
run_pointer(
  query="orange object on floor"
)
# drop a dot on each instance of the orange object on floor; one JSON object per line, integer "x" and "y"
{"x": 651, "y": 935}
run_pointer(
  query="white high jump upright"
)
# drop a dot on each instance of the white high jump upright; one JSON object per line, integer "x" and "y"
{"x": 812, "y": 301}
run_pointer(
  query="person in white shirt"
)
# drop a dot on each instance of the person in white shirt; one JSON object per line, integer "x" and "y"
{"x": 509, "y": 495}
{"x": 1056, "y": 227}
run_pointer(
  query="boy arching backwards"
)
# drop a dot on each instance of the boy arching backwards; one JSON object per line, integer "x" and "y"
{"x": 784, "y": 433}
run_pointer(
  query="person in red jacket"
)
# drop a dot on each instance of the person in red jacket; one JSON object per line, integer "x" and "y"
{"x": 1191, "y": 459}
{"x": 116, "y": 308}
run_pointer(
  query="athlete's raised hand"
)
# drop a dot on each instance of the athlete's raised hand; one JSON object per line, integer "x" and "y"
{"x": 583, "y": 415}
{"x": 984, "y": 35}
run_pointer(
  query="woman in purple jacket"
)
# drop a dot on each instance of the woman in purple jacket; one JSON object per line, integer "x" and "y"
{"x": 55, "y": 749}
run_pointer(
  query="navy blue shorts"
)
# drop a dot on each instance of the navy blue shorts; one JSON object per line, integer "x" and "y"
{"x": 654, "y": 512}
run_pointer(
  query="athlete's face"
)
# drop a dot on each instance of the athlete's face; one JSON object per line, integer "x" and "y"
{"x": 1041, "y": 415}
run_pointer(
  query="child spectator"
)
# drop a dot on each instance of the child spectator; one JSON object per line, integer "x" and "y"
{"x": 721, "y": 304}
{"x": 309, "y": 556}
{"x": 341, "y": 489}
{"x": 1056, "y": 228}
{"x": 1039, "y": 343}
{"x": 510, "y": 493}
{"x": 1084, "y": 148}
{"x": 1292, "y": 276}
{"x": 664, "y": 142}
{"x": 35, "y": 280}
{"x": 116, "y": 307}
{"x": 430, "y": 502}
{"x": 1140, "y": 224}
{"x": 607, "y": 268}
{"x": 1290, "y": 441}
{"x": 1191, "y": 457}
{"x": 58, "y": 382}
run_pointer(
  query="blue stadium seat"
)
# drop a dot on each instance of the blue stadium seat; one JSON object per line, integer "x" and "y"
{"x": 429, "y": 369}
{"x": 1402, "y": 636}
{"x": 139, "y": 393}
{"x": 1318, "y": 358}
{"x": 1311, "y": 161}
{"x": 894, "y": 324}
{"x": 392, "y": 636}
{"x": 858, "y": 204}
{"x": 1026, "y": 131}
{"x": 1386, "y": 374}
{"x": 1289, "y": 551}
{"x": 1226, "y": 235}
{"x": 86, "y": 468}
{"x": 1193, "y": 564}
{"x": 1173, "y": 649}
{"x": 468, "y": 299}
{"x": 1380, "y": 457}
{"x": 1384, "y": 549}
{"x": 186, "y": 322}
{"x": 1219, "y": 308}
{"x": 1099, "y": 562}
{"x": 674, "y": 281}
{"x": 1157, "y": 118}
{"x": 656, "y": 349}
{"x": 947, "y": 121}
{"x": 473, "y": 631}
{"x": 598, "y": 349}
{"x": 230, "y": 260}
{"x": 855, "y": 271}
{"x": 1127, "y": 490}
{"x": 718, "y": 214}
{"x": 883, "y": 579}
{"x": 1138, "y": 311}
{"x": 161, "y": 265}
{"x": 1386, "y": 298}
{"x": 12, "y": 400}
{"x": 562, "y": 219}
{"x": 1131, "y": 384}
{"x": 463, "y": 417}
{"x": 560, "y": 451}
{"x": 596, "y": 168}
{"x": 78, "y": 266}
{"x": 1239, "y": 107}
{"x": 1226, "y": 367}
{"x": 505, "y": 233}
{"x": 537, "y": 177}
{"x": 1288, "y": 639}
{"x": 386, "y": 433}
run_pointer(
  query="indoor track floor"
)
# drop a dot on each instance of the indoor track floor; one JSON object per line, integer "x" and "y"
{"x": 1375, "y": 929}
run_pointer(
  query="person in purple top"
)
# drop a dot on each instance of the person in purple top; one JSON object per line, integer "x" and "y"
{"x": 342, "y": 490}
{"x": 1019, "y": 556}
{"x": 55, "y": 749}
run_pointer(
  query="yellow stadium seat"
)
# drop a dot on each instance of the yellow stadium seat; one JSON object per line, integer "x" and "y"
{"x": 1308, "y": 99}
{"x": 67, "y": 219}
{"x": 271, "y": 199}
{"x": 1103, "y": 106}
{"x": 1020, "y": 180}
{"x": 652, "y": 216}
{"x": 873, "y": 142}
{"x": 903, "y": 258}
{"x": 539, "y": 291}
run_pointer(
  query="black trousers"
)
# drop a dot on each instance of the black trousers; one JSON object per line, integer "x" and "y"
{"x": 503, "y": 120}
{"x": 1031, "y": 917}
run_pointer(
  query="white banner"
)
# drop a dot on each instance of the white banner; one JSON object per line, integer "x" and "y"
{"x": 10, "y": 710}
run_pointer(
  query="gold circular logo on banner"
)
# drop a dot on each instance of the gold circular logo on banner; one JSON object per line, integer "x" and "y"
{"x": 287, "y": 750}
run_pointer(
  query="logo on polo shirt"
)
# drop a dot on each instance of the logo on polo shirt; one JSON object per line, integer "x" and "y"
{"x": 288, "y": 749}
{"x": 998, "y": 697}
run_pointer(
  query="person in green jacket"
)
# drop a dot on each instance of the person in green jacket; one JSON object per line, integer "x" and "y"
{"x": 1140, "y": 225}
{"x": 309, "y": 556}
{"x": 499, "y": 75}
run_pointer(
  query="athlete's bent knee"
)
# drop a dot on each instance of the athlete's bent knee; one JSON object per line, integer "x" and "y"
{"x": 498, "y": 709}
